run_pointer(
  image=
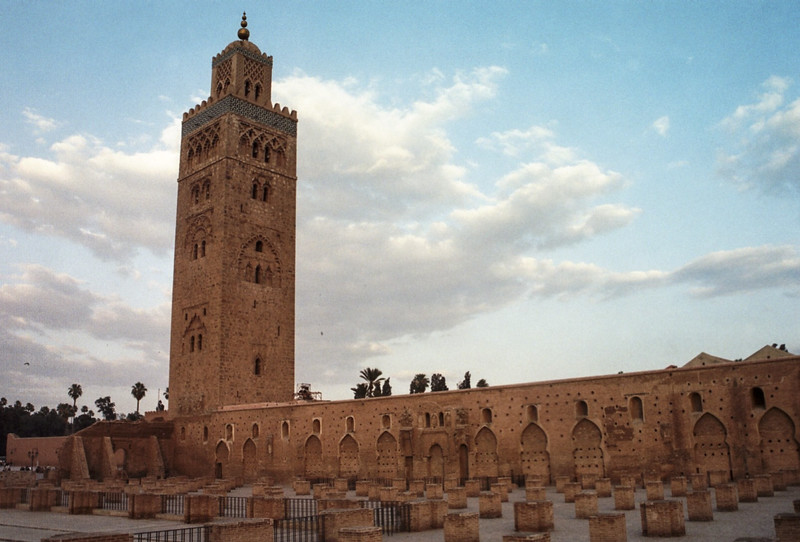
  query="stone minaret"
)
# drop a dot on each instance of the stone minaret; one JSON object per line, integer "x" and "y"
{"x": 232, "y": 337}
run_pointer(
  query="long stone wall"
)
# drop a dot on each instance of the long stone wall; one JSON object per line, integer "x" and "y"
{"x": 728, "y": 420}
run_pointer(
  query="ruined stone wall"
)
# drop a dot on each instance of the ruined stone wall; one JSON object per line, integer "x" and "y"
{"x": 739, "y": 418}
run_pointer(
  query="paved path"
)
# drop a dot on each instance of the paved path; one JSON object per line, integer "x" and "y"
{"x": 753, "y": 521}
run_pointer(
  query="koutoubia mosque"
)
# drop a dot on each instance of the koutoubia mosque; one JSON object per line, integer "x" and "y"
{"x": 233, "y": 413}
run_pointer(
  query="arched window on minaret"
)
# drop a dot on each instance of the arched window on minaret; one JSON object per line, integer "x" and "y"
{"x": 219, "y": 88}
{"x": 258, "y": 91}
{"x": 255, "y": 149}
{"x": 246, "y": 88}
{"x": 203, "y": 249}
{"x": 194, "y": 252}
{"x": 266, "y": 153}
{"x": 257, "y": 366}
{"x": 257, "y": 275}
{"x": 265, "y": 192}
{"x": 254, "y": 193}
{"x": 199, "y": 341}
{"x": 259, "y": 246}
{"x": 191, "y": 344}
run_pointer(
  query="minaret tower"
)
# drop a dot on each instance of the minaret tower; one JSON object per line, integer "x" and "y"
{"x": 232, "y": 337}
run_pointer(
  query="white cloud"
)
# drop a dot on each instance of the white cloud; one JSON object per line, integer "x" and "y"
{"x": 763, "y": 151}
{"x": 661, "y": 125}
{"x": 41, "y": 124}
{"x": 110, "y": 201}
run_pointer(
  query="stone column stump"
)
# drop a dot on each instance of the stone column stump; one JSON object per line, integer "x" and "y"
{"x": 561, "y": 481}
{"x": 747, "y": 490}
{"x": 608, "y": 528}
{"x": 727, "y": 498}
{"x": 663, "y": 518}
{"x": 534, "y": 516}
{"x": 603, "y": 487}
{"x": 473, "y": 487}
{"x": 490, "y": 504}
{"x": 360, "y": 534}
{"x": 457, "y": 498}
{"x": 655, "y": 490}
{"x": 585, "y": 504}
{"x": 699, "y": 505}
{"x": 678, "y": 486}
{"x": 624, "y": 498}
{"x": 787, "y": 527}
{"x": 461, "y": 527}
{"x": 501, "y": 489}
{"x": 533, "y": 493}
{"x": 699, "y": 481}
{"x": 764, "y": 485}
{"x": 570, "y": 490}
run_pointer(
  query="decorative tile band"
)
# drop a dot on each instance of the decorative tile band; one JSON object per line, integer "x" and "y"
{"x": 232, "y": 104}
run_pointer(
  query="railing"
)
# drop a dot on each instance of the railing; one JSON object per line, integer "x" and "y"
{"x": 299, "y": 508}
{"x": 113, "y": 500}
{"x": 189, "y": 534}
{"x": 63, "y": 498}
{"x": 393, "y": 517}
{"x": 172, "y": 504}
{"x": 233, "y": 507}
{"x": 300, "y": 529}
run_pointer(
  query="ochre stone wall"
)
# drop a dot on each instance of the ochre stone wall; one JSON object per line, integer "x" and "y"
{"x": 469, "y": 433}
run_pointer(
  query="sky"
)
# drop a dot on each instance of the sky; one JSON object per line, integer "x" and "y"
{"x": 523, "y": 190}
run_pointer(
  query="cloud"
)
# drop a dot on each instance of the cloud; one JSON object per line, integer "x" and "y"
{"x": 661, "y": 125}
{"x": 743, "y": 270}
{"x": 112, "y": 202}
{"x": 394, "y": 240}
{"x": 763, "y": 150}
{"x": 67, "y": 333}
{"x": 40, "y": 123}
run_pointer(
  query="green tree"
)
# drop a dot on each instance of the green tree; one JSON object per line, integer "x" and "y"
{"x": 74, "y": 392}
{"x": 482, "y": 384}
{"x": 419, "y": 384}
{"x": 106, "y": 407}
{"x": 360, "y": 391}
{"x": 138, "y": 391}
{"x": 465, "y": 384}
{"x": 438, "y": 382}
{"x": 387, "y": 388}
{"x": 373, "y": 378}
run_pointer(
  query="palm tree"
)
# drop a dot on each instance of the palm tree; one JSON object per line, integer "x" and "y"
{"x": 373, "y": 378}
{"x": 419, "y": 384}
{"x": 138, "y": 391}
{"x": 74, "y": 392}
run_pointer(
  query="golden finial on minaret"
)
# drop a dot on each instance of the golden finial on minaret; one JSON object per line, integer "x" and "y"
{"x": 244, "y": 33}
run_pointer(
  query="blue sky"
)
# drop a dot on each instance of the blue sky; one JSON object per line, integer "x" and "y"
{"x": 522, "y": 190}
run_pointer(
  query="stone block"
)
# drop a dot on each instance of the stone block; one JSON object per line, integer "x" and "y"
{"x": 266, "y": 507}
{"x": 663, "y": 518}
{"x": 716, "y": 477}
{"x": 699, "y": 480}
{"x": 301, "y": 487}
{"x": 434, "y": 491}
{"x": 628, "y": 480}
{"x": 490, "y": 504}
{"x": 588, "y": 481}
{"x": 533, "y": 516}
{"x": 360, "y": 534}
{"x": 362, "y": 488}
{"x": 764, "y": 485}
{"x": 570, "y": 490}
{"x": 262, "y": 530}
{"x": 388, "y": 494}
{"x": 585, "y": 504}
{"x": 417, "y": 487}
{"x": 608, "y": 528}
{"x": 537, "y": 537}
{"x": 698, "y": 504}
{"x": 457, "y": 498}
{"x": 335, "y": 520}
{"x": 143, "y": 505}
{"x": 200, "y": 508}
{"x": 747, "y": 490}
{"x": 561, "y": 481}
{"x": 727, "y": 497}
{"x": 461, "y": 527}
{"x": 787, "y": 527}
{"x": 678, "y": 486}
{"x": 501, "y": 489}
{"x": 535, "y": 493}
{"x": 655, "y": 490}
{"x": 603, "y": 487}
{"x": 624, "y": 498}
{"x": 473, "y": 487}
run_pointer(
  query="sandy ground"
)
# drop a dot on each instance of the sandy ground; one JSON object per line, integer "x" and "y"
{"x": 753, "y": 521}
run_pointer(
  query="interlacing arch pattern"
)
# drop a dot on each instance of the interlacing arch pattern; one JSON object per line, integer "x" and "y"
{"x": 201, "y": 191}
{"x": 198, "y": 236}
{"x": 259, "y": 263}
{"x": 262, "y": 146}
{"x": 223, "y": 77}
{"x": 202, "y": 145}
{"x": 253, "y": 71}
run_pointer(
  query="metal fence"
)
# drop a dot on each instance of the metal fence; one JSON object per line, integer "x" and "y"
{"x": 113, "y": 500}
{"x": 299, "y": 508}
{"x": 172, "y": 504}
{"x": 300, "y": 529}
{"x": 189, "y": 534}
{"x": 391, "y": 516}
{"x": 233, "y": 507}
